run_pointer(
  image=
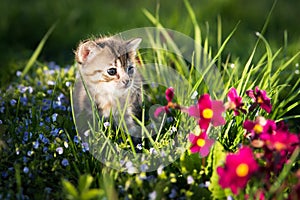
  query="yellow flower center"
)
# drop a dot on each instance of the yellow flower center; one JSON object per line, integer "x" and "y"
{"x": 279, "y": 146}
{"x": 232, "y": 105}
{"x": 258, "y": 128}
{"x": 242, "y": 170}
{"x": 207, "y": 113}
{"x": 259, "y": 100}
{"x": 200, "y": 142}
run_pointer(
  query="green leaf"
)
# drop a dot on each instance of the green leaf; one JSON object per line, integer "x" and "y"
{"x": 92, "y": 194}
{"x": 218, "y": 157}
{"x": 84, "y": 183}
{"x": 70, "y": 190}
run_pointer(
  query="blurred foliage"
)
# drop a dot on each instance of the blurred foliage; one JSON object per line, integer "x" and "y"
{"x": 23, "y": 24}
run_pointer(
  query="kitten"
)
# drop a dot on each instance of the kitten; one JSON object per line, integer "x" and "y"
{"x": 107, "y": 67}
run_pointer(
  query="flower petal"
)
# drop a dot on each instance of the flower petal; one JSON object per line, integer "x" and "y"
{"x": 232, "y": 94}
{"x": 204, "y": 151}
{"x": 169, "y": 94}
{"x": 204, "y": 123}
{"x": 266, "y": 106}
{"x": 218, "y": 108}
{"x": 193, "y": 111}
{"x": 250, "y": 93}
{"x": 204, "y": 102}
{"x": 159, "y": 110}
{"x": 194, "y": 149}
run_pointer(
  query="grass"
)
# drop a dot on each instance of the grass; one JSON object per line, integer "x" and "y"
{"x": 43, "y": 157}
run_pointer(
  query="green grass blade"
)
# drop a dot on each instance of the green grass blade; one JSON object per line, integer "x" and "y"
{"x": 267, "y": 75}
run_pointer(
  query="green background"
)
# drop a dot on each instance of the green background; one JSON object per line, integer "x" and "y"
{"x": 24, "y": 23}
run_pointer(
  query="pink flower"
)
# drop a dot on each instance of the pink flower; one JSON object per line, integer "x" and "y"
{"x": 235, "y": 102}
{"x": 200, "y": 143}
{"x": 166, "y": 108}
{"x": 207, "y": 111}
{"x": 237, "y": 170}
{"x": 280, "y": 140}
{"x": 260, "y": 98}
{"x": 259, "y": 126}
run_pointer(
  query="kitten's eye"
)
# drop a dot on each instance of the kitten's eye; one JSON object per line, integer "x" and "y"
{"x": 130, "y": 69}
{"x": 112, "y": 71}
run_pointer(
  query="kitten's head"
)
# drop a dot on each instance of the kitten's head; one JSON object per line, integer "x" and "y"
{"x": 108, "y": 64}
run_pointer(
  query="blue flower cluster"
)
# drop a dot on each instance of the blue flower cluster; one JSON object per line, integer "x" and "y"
{"x": 36, "y": 127}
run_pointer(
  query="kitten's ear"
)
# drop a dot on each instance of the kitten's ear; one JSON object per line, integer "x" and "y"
{"x": 133, "y": 44}
{"x": 84, "y": 50}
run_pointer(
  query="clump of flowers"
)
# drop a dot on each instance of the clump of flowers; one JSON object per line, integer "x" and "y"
{"x": 207, "y": 112}
{"x": 266, "y": 148}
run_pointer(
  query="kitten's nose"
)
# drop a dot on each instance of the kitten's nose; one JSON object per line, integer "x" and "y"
{"x": 125, "y": 82}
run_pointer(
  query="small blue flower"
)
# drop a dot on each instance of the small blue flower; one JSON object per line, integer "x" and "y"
{"x": 190, "y": 180}
{"x": 139, "y": 146}
{"x": 49, "y": 92}
{"x": 13, "y": 102}
{"x": 2, "y": 108}
{"x": 47, "y": 119}
{"x": 4, "y": 174}
{"x": 53, "y": 65}
{"x": 68, "y": 84}
{"x": 54, "y": 132}
{"x": 76, "y": 139}
{"x": 45, "y": 149}
{"x": 60, "y": 97}
{"x": 85, "y": 147}
{"x": 1, "y": 121}
{"x": 30, "y": 153}
{"x": 144, "y": 167}
{"x": 25, "y": 159}
{"x": 36, "y": 144}
{"x": 170, "y": 119}
{"x": 152, "y": 195}
{"x": 106, "y": 124}
{"x": 22, "y": 89}
{"x": 65, "y": 162}
{"x": 30, "y": 89}
{"x": 86, "y": 133}
{"x": 18, "y": 73}
{"x": 59, "y": 150}
{"x": 54, "y": 117}
{"x": 173, "y": 194}
{"x": 25, "y": 170}
{"x": 50, "y": 82}
{"x": 25, "y": 137}
{"x": 44, "y": 139}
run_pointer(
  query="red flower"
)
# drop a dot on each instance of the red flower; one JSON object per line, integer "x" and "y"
{"x": 237, "y": 170}
{"x": 207, "y": 111}
{"x": 200, "y": 143}
{"x": 260, "y": 98}
{"x": 166, "y": 108}
{"x": 235, "y": 102}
